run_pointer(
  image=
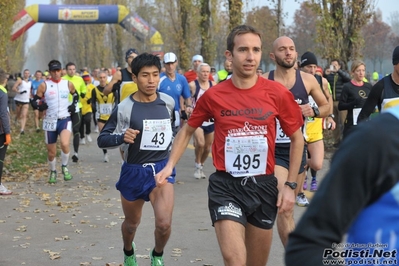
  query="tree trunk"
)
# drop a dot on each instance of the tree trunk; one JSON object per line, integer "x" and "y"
{"x": 235, "y": 11}
{"x": 183, "y": 36}
{"x": 207, "y": 49}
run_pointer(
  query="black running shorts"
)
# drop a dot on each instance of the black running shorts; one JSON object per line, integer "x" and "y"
{"x": 242, "y": 200}
{"x": 282, "y": 156}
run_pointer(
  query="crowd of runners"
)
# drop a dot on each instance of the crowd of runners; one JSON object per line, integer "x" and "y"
{"x": 264, "y": 130}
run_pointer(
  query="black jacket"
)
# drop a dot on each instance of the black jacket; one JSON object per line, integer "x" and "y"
{"x": 337, "y": 80}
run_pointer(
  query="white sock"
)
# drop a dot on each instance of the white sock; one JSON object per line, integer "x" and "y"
{"x": 64, "y": 158}
{"x": 198, "y": 166}
{"x": 52, "y": 164}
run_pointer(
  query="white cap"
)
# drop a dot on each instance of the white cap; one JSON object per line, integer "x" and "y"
{"x": 198, "y": 57}
{"x": 169, "y": 58}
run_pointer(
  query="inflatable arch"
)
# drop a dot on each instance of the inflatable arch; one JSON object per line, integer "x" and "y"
{"x": 87, "y": 14}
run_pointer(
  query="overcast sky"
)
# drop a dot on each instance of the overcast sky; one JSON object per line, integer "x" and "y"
{"x": 289, "y": 6}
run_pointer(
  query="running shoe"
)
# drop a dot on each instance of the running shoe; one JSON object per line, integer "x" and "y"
{"x": 203, "y": 175}
{"x": 305, "y": 183}
{"x": 197, "y": 173}
{"x": 155, "y": 260}
{"x": 301, "y": 200}
{"x": 65, "y": 172}
{"x": 38, "y": 129}
{"x": 130, "y": 260}
{"x": 53, "y": 177}
{"x": 106, "y": 159}
{"x": 75, "y": 158}
{"x": 313, "y": 185}
{"x": 22, "y": 132}
{"x": 96, "y": 129}
{"x": 89, "y": 139}
{"x": 4, "y": 190}
{"x": 82, "y": 141}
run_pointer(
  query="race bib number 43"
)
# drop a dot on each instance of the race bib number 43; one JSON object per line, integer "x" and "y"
{"x": 157, "y": 135}
{"x": 245, "y": 156}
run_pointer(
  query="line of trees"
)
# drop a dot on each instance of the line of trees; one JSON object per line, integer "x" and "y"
{"x": 331, "y": 28}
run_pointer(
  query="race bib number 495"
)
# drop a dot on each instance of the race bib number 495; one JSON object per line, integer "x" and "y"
{"x": 246, "y": 156}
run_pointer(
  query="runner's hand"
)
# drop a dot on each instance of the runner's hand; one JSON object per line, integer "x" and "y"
{"x": 160, "y": 177}
{"x": 286, "y": 199}
{"x": 42, "y": 107}
{"x": 8, "y": 139}
{"x": 130, "y": 135}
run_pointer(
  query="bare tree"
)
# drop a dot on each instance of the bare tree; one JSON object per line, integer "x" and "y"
{"x": 235, "y": 12}
{"x": 303, "y": 29}
{"x": 264, "y": 19}
{"x": 339, "y": 27}
{"x": 376, "y": 36}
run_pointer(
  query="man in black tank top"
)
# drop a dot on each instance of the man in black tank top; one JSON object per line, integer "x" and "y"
{"x": 301, "y": 85}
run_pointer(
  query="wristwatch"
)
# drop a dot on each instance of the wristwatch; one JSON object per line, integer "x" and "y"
{"x": 292, "y": 185}
{"x": 331, "y": 115}
{"x": 316, "y": 111}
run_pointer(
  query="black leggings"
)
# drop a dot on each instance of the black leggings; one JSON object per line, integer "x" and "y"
{"x": 86, "y": 120}
{"x": 3, "y": 149}
{"x": 76, "y": 121}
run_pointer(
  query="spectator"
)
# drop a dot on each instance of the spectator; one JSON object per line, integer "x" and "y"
{"x": 336, "y": 79}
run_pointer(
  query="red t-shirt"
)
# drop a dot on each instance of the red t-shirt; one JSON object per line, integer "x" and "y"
{"x": 250, "y": 112}
{"x": 192, "y": 75}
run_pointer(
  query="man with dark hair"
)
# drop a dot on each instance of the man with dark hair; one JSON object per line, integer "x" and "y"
{"x": 336, "y": 78}
{"x": 76, "y": 114}
{"x": 122, "y": 84}
{"x": 142, "y": 125}
{"x": 313, "y": 129}
{"x": 52, "y": 96}
{"x": 243, "y": 195}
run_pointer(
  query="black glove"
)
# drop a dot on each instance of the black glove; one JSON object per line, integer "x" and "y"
{"x": 82, "y": 95}
{"x": 42, "y": 107}
{"x": 183, "y": 115}
{"x": 116, "y": 86}
{"x": 89, "y": 101}
{"x": 22, "y": 92}
{"x": 71, "y": 109}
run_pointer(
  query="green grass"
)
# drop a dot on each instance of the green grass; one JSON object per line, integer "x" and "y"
{"x": 27, "y": 154}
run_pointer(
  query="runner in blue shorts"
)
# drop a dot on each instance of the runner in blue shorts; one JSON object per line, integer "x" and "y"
{"x": 53, "y": 96}
{"x": 142, "y": 126}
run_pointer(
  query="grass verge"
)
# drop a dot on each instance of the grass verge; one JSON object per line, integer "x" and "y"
{"x": 26, "y": 157}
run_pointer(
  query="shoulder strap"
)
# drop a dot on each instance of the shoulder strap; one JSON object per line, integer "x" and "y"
{"x": 271, "y": 75}
{"x": 197, "y": 89}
